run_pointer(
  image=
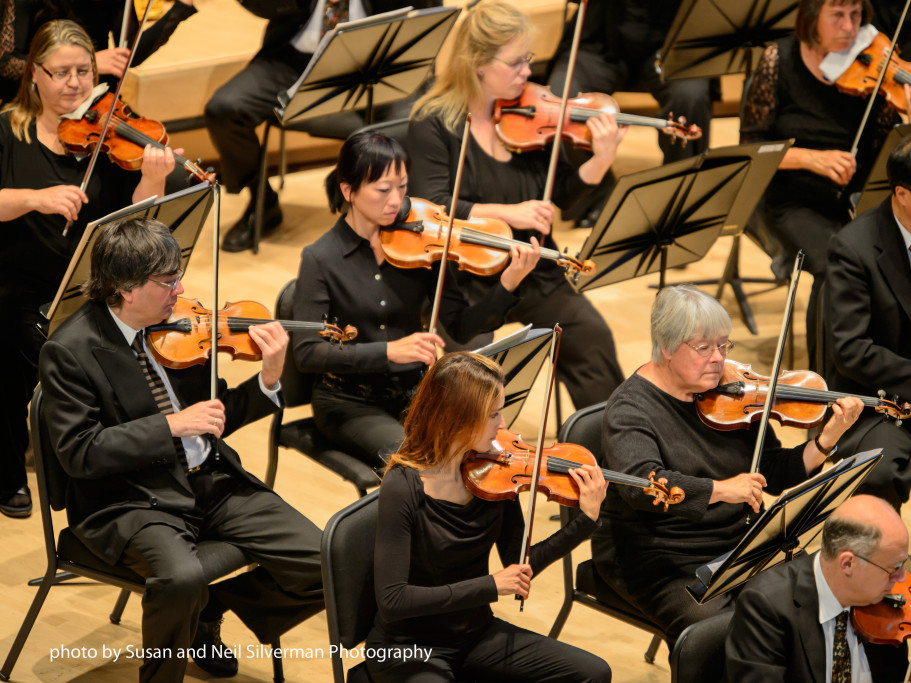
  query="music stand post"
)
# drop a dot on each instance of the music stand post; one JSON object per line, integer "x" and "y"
{"x": 184, "y": 212}
{"x": 790, "y": 523}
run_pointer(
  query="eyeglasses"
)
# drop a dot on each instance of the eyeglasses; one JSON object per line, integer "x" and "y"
{"x": 706, "y": 350}
{"x": 172, "y": 285}
{"x": 62, "y": 76}
{"x": 519, "y": 63}
{"x": 893, "y": 573}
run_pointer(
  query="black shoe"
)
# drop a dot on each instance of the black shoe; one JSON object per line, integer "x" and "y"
{"x": 17, "y": 505}
{"x": 240, "y": 236}
{"x": 210, "y": 654}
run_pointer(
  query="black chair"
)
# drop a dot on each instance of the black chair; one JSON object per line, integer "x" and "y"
{"x": 584, "y": 428}
{"x": 698, "y": 654}
{"x": 347, "y": 558}
{"x": 302, "y": 435}
{"x": 68, "y": 554}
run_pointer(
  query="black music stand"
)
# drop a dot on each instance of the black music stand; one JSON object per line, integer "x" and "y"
{"x": 521, "y": 355}
{"x": 876, "y": 188}
{"x": 363, "y": 64}
{"x": 184, "y": 212}
{"x": 711, "y": 38}
{"x": 785, "y": 529}
{"x": 766, "y": 157}
{"x": 667, "y": 216}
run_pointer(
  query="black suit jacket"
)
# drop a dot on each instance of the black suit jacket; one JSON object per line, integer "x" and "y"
{"x": 112, "y": 441}
{"x": 775, "y": 634}
{"x": 868, "y": 307}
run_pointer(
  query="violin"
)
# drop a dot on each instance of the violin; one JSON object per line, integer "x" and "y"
{"x": 530, "y": 122}
{"x": 888, "y": 622}
{"x": 126, "y": 137}
{"x": 503, "y": 474}
{"x": 860, "y": 78}
{"x": 185, "y": 339}
{"x": 479, "y": 245}
{"x": 801, "y": 399}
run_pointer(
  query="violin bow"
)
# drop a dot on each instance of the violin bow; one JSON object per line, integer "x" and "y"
{"x": 525, "y": 555}
{"x": 776, "y": 366}
{"x": 879, "y": 81}
{"x": 438, "y": 294}
{"x": 125, "y": 23}
{"x": 558, "y": 134}
{"x": 110, "y": 117}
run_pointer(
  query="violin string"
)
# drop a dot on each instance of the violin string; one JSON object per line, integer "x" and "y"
{"x": 235, "y": 324}
{"x": 581, "y": 114}
{"x": 125, "y": 130}
{"x": 495, "y": 241}
{"x": 562, "y": 466}
{"x": 818, "y": 395}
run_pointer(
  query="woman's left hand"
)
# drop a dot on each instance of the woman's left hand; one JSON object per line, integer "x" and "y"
{"x": 157, "y": 163}
{"x": 592, "y": 489}
{"x": 606, "y": 136}
{"x": 845, "y": 412}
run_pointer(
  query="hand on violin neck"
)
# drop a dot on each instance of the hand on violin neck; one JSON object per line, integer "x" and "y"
{"x": 522, "y": 260}
{"x": 272, "y": 340}
{"x": 157, "y": 163}
{"x": 592, "y": 489}
{"x": 513, "y": 580}
{"x": 845, "y": 412}
{"x": 418, "y": 347}
{"x": 65, "y": 200}
{"x": 112, "y": 61}
{"x": 205, "y": 417}
{"x": 606, "y": 138}
{"x": 744, "y": 488}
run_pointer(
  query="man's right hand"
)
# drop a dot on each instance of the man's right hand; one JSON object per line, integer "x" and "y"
{"x": 205, "y": 417}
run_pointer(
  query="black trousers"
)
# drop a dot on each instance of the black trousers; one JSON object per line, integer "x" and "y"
{"x": 18, "y": 377}
{"x": 366, "y": 429}
{"x": 891, "y": 478}
{"x": 284, "y": 590}
{"x": 501, "y": 652}
{"x": 244, "y": 102}
{"x": 587, "y": 364}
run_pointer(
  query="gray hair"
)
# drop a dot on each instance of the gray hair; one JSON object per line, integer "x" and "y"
{"x": 841, "y": 533}
{"x": 682, "y": 312}
{"x": 126, "y": 254}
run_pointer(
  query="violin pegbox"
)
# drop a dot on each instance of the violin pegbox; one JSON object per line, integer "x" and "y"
{"x": 679, "y": 130}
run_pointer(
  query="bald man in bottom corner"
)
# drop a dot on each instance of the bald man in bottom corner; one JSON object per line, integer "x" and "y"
{"x": 787, "y": 625}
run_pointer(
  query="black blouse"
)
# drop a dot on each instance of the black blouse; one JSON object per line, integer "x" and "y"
{"x": 433, "y": 582}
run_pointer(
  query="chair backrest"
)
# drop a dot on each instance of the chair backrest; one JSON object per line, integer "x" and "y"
{"x": 698, "y": 654}
{"x": 347, "y": 562}
{"x": 49, "y": 470}
{"x": 297, "y": 387}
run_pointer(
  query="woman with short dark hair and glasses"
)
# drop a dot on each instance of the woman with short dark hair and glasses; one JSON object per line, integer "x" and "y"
{"x": 39, "y": 195}
{"x": 651, "y": 425}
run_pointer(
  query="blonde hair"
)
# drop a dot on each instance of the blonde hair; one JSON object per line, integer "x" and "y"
{"x": 26, "y": 105}
{"x": 449, "y": 410}
{"x": 487, "y": 27}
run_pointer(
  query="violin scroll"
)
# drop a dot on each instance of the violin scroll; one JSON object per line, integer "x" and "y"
{"x": 892, "y": 409}
{"x": 659, "y": 490}
{"x": 678, "y": 130}
{"x": 336, "y": 334}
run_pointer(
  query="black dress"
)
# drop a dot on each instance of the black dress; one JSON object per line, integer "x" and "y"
{"x": 33, "y": 259}
{"x": 434, "y": 589}
{"x": 588, "y": 359}
{"x": 649, "y": 555}
{"x": 359, "y": 395}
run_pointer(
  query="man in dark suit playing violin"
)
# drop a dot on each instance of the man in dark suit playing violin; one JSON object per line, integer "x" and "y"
{"x": 149, "y": 473}
{"x": 248, "y": 99}
{"x": 792, "y": 623}
{"x": 867, "y": 325}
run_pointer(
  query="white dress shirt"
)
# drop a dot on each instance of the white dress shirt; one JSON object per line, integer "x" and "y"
{"x": 829, "y": 608}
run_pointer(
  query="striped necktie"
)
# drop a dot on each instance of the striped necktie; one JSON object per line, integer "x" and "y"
{"x": 156, "y": 384}
{"x": 841, "y": 653}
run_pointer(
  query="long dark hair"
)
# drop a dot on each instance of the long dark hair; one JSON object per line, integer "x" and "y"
{"x": 364, "y": 158}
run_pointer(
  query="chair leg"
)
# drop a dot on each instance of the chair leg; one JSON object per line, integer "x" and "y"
{"x": 282, "y": 160}
{"x": 60, "y": 577}
{"x": 27, "y": 623}
{"x": 652, "y": 649}
{"x": 119, "y": 606}
{"x": 272, "y": 467}
{"x": 260, "y": 198}
{"x": 562, "y": 616}
{"x": 278, "y": 673}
